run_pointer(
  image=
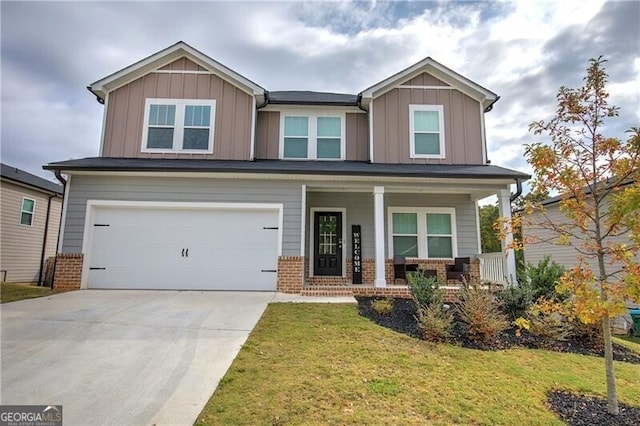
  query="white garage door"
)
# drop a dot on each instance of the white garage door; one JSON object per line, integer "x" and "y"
{"x": 183, "y": 248}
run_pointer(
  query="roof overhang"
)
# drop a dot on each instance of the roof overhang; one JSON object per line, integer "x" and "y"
{"x": 295, "y": 169}
{"x": 485, "y": 96}
{"x": 158, "y": 60}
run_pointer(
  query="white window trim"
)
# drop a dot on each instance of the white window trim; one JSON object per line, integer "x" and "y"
{"x": 32, "y": 213}
{"x": 312, "y": 146}
{"x": 179, "y": 124}
{"x": 412, "y": 142}
{"x": 421, "y": 213}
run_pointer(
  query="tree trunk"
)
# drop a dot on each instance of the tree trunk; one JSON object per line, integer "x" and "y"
{"x": 612, "y": 395}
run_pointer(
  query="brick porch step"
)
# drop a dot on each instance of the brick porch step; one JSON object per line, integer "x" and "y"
{"x": 354, "y": 290}
{"x": 318, "y": 290}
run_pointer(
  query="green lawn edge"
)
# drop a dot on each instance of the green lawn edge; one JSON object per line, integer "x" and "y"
{"x": 325, "y": 364}
{"x": 15, "y": 292}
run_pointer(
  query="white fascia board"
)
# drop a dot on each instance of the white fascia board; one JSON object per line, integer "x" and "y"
{"x": 475, "y": 183}
{"x": 166, "y": 56}
{"x": 439, "y": 71}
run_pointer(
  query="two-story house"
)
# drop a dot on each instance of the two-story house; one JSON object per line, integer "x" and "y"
{"x": 206, "y": 180}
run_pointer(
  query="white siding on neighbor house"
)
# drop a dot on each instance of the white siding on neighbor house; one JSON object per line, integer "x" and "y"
{"x": 359, "y": 211}
{"x": 566, "y": 256}
{"x": 134, "y": 188}
{"x": 21, "y": 246}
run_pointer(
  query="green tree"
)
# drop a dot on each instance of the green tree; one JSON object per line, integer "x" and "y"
{"x": 488, "y": 236}
{"x": 597, "y": 179}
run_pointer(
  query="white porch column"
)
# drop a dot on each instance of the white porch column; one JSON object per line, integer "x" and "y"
{"x": 504, "y": 207}
{"x": 378, "y": 214}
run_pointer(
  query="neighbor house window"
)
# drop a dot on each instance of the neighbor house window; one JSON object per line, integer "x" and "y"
{"x": 179, "y": 125}
{"x": 26, "y": 211}
{"x": 312, "y": 136}
{"x": 422, "y": 232}
{"x": 427, "y": 131}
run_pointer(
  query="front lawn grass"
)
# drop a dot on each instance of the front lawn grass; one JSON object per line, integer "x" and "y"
{"x": 325, "y": 364}
{"x": 14, "y": 292}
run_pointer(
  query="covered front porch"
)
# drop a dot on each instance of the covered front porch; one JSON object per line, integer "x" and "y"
{"x": 351, "y": 233}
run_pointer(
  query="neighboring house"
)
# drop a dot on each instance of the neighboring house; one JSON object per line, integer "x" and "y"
{"x": 30, "y": 219}
{"x": 564, "y": 255}
{"x": 206, "y": 180}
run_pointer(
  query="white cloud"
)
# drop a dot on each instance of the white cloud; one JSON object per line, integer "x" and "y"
{"x": 516, "y": 49}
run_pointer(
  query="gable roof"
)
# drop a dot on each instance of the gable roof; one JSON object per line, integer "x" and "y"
{"x": 164, "y": 57}
{"x": 27, "y": 179}
{"x": 298, "y": 97}
{"x": 433, "y": 67}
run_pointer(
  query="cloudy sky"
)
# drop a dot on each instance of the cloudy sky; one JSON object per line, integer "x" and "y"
{"x": 524, "y": 51}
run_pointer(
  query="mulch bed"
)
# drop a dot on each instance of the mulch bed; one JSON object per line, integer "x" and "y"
{"x": 402, "y": 320}
{"x": 579, "y": 410}
{"x": 575, "y": 410}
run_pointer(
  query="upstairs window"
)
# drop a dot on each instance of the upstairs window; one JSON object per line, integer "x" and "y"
{"x": 425, "y": 233}
{"x": 312, "y": 136}
{"x": 427, "y": 131}
{"x": 26, "y": 211}
{"x": 178, "y": 125}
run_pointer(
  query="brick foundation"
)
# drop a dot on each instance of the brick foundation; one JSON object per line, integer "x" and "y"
{"x": 342, "y": 286}
{"x": 399, "y": 291}
{"x": 440, "y": 266}
{"x": 68, "y": 273}
{"x": 368, "y": 275}
{"x": 290, "y": 274}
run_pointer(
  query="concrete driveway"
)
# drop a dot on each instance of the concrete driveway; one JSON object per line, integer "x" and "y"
{"x": 124, "y": 357}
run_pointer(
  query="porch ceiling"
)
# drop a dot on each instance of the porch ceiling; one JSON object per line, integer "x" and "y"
{"x": 476, "y": 191}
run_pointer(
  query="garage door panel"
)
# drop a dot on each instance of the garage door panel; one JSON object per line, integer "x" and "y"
{"x": 157, "y": 248}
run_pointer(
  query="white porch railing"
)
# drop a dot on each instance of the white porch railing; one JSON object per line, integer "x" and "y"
{"x": 493, "y": 267}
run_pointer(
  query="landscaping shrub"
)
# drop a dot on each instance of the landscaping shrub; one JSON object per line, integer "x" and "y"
{"x": 434, "y": 322}
{"x": 591, "y": 333}
{"x": 515, "y": 299}
{"x": 542, "y": 278}
{"x": 425, "y": 290}
{"x": 382, "y": 306}
{"x": 548, "y": 319}
{"x": 481, "y": 314}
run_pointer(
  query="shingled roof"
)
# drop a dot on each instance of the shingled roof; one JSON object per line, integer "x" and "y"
{"x": 340, "y": 168}
{"x": 26, "y": 178}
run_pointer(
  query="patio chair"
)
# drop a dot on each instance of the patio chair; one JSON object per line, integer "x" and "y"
{"x": 459, "y": 269}
{"x": 399, "y": 268}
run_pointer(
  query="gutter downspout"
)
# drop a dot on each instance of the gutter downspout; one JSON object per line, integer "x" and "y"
{"x": 55, "y": 259}
{"x": 518, "y": 190}
{"x": 44, "y": 239}
{"x": 369, "y": 125}
{"x": 489, "y": 107}
{"x": 98, "y": 98}
{"x": 266, "y": 101}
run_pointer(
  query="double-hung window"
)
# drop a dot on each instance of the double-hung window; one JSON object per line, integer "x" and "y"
{"x": 312, "y": 136}
{"x": 426, "y": 131}
{"x": 179, "y": 125}
{"x": 26, "y": 211}
{"x": 425, "y": 233}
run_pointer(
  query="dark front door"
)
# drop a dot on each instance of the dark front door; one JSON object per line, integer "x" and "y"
{"x": 328, "y": 243}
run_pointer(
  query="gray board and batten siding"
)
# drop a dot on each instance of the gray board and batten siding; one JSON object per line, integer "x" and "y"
{"x": 125, "y": 113}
